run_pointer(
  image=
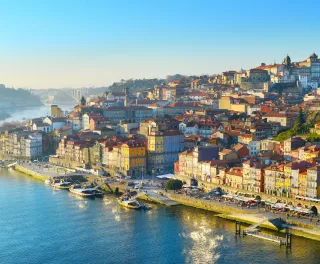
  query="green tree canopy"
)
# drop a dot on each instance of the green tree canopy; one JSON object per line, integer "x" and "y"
{"x": 174, "y": 184}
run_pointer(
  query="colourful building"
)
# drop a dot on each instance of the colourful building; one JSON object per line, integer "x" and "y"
{"x": 133, "y": 158}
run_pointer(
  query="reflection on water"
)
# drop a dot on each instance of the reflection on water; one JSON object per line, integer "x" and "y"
{"x": 67, "y": 229}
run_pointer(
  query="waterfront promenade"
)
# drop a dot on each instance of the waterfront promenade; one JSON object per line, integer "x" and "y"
{"x": 153, "y": 192}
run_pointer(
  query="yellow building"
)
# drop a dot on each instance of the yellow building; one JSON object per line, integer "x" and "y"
{"x": 283, "y": 181}
{"x": 56, "y": 111}
{"x": 302, "y": 183}
{"x": 238, "y": 108}
{"x": 155, "y": 152}
{"x": 225, "y": 103}
{"x": 234, "y": 177}
{"x": 133, "y": 158}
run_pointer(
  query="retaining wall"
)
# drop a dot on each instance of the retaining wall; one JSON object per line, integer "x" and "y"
{"x": 31, "y": 173}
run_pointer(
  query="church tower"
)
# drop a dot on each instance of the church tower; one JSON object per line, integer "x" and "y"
{"x": 126, "y": 94}
{"x": 83, "y": 101}
{"x": 287, "y": 63}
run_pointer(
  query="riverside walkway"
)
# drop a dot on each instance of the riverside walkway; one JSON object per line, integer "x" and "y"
{"x": 159, "y": 197}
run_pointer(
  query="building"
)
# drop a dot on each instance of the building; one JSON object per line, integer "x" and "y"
{"x": 291, "y": 144}
{"x": 253, "y": 176}
{"x": 234, "y": 177}
{"x": 254, "y": 148}
{"x": 33, "y": 146}
{"x": 313, "y": 182}
{"x": 132, "y": 157}
{"x": 21, "y": 145}
{"x": 155, "y": 162}
{"x": 56, "y": 111}
{"x": 97, "y": 122}
{"x": 313, "y": 63}
{"x": 187, "y": 165}
{"x": 173, "y": 144}
{"x": 284, "y": 118}
{"x": 55, "y": 122}
{"x": 189, "y": 129}
{"x": 44, "y": 127}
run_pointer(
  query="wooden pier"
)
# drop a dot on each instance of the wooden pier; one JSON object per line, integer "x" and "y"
{"x": 254, "y": 231}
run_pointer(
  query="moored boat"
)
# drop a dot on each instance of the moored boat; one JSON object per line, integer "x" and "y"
{"x": 47, "y": 181}
{"x": 128, "y": 203}
{"x": 147, "y": 207}
{"x": 98, "y": 193}
{"x": 61, "y": 185}
{"x": 83, "y": 192}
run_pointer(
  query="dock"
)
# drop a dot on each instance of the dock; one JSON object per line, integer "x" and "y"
{"x": 254, "y": 231}
{"x": 161, "y": 199}
{"x": 268, "y": 237}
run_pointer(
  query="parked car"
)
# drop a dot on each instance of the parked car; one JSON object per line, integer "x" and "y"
{"x": 130, "y": 184}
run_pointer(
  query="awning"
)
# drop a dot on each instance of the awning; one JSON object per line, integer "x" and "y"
{"x": 166, "y": 176}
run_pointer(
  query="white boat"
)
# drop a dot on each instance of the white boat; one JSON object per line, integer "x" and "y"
{"x": 11, "y": 164}
{"x": 61, "y": 185}
{"x": 47, "y": 181}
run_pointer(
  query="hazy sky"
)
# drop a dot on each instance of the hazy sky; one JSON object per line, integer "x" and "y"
{"x": 52, "y": 43}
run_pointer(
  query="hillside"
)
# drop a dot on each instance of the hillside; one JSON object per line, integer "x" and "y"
{"x": 134, "y": 85}
{"x": 10, "y": 98}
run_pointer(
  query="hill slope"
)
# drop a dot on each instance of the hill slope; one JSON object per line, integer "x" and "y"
{"x": 10, "y": 98}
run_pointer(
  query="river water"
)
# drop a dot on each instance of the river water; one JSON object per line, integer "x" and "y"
{"x": 42, "y": 225}
{"x": 22, "y": 114}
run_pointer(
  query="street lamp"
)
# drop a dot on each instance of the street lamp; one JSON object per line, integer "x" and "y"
{"x": 142, "y": 174}
{"x": 152, "y": 172}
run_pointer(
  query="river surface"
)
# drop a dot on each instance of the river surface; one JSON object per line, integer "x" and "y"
{"x": 22, "y": 114}
{"x": 42, "y": 225}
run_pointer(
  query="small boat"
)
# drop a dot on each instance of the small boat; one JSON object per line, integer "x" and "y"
{"x": 98, "y": 193}
{"x": 83, "y": 192}
{"x": 131, "y": 204}
{"x": 47, "y": 181}
{"x": 61, "y": 185}
{"x": 9, "y": 165}
{"x": 147, "y": 207}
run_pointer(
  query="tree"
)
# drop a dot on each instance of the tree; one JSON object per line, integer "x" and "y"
{"x": 174, "y": 184}
{"x": 301, "y": 117}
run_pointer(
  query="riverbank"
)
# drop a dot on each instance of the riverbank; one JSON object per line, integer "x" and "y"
{"x": 190, "y": 235}
{"x": 31, "y": 173}
{"x": 224, "y": 210}
{"x": 146, "y": 195}
{"x": 298, "y": 227}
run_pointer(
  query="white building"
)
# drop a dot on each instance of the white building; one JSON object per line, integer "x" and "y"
{"x": 189, "y": 128}
{"x": 86, "y": 121}
{"x": 41, "y": 127}
{"x": 303, "y": 81}
{"x": 75, "y": 122}
{"x": 33, "y": 144}
{"x": 253, "y": 108}
{"x": 55, "y": 122}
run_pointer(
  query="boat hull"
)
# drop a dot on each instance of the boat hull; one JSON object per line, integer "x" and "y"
{"x": 81, "y": 194}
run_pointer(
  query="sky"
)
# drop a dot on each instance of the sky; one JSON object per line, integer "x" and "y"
{"x": 57, "y": 44}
